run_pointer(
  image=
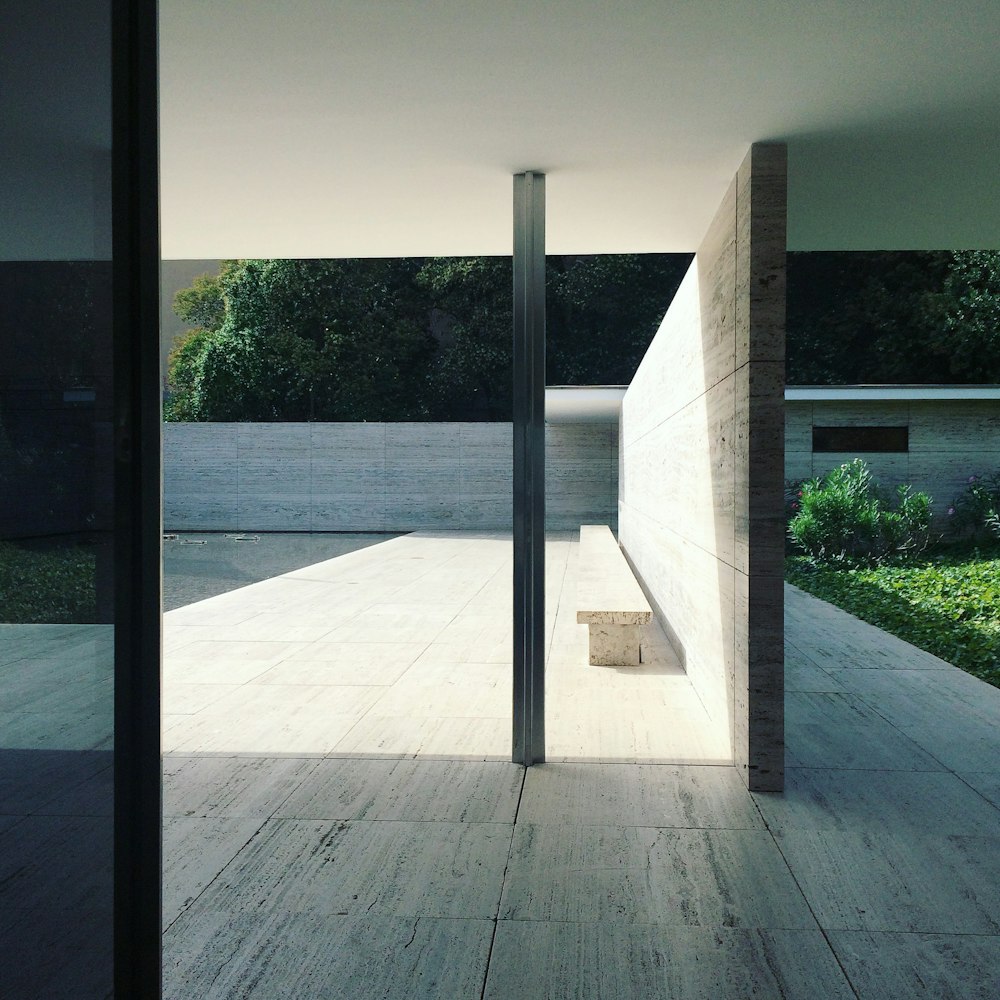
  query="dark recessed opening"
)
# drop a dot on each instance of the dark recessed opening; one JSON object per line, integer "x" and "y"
{"x": 861, "y": 439}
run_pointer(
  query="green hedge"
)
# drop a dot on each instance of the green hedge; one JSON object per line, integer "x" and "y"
{"x": 947, "y": 604}
{"x": 53, "y": 586}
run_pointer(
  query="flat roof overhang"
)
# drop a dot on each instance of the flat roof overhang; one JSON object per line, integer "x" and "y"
{"x": 583, "y": 403}
{"x": 875, "y": 393}
{"x": 363, "y": 129}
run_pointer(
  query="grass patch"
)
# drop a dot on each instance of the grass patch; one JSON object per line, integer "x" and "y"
{"x": 947, "y": 604}
{"x": 47, "y": 586}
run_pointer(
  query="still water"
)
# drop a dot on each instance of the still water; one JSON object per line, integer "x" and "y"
{"x": 199, "y": 565}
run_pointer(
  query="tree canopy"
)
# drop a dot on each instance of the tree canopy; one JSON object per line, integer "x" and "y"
{"x": 893, "y": 317}
{"x": 430, "y": 339}
{"x": 401, "y": 339}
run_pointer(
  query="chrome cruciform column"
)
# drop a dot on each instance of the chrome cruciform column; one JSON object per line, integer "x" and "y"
{"x": 529, "y": 468}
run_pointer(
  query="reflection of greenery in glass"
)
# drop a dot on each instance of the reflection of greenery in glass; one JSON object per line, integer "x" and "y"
{"x": 55, "y": 586}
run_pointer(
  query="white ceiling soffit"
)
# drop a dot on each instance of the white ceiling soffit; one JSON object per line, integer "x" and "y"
{"x": 583, "y": 403}
{"x": 362, "y": 128}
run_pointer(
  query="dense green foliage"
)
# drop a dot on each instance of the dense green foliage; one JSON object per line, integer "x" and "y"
{"x": 845, "y": 516}
{"x": 54, "y": 586}
{"x": 302, "y": 340}
{"x": 409, "y": 339}
{"x": 948, "y": 605}
{"x": 893, "y": 317}
{"x": 401, "y": 339}
{"x": 975, "y": 514}
{"x": 868, "y": 560}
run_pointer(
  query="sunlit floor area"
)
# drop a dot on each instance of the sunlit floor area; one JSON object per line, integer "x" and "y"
{"x": 875, "y": 875}
{"x": 404, "y": 648}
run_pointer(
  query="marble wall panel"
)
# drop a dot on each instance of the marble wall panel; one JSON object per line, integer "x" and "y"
{"x": 691, "y": 592}
{"x": 422, "y": 477}
{"x": 377, "y": 477}
{"x": 347, "y": 459}
{"x": 717, "y": 278}
{"x": 278, "y": 512}
{"x": 682, "y": 471}
{"x": 945, "y": 476}
{"x": 179, "y": 439}
{"x": 200, "y": 511}
{"x": 200, "y": 476}
{"x": 798, "y": 425}
{"x": 338, "y": 438}
{"x": 415, "y": 511}
{"x": 760, "y": 468}
{"x": 954, "y": 425}
{"x": 487, "y": 513}
{"x": 877, "y": 413}
{"x": 949, "y": 440}
{"x": 760, "y": 353}
{"x": 671, "y": 372}
{"x": 273, "y": 460}
{"x": 760, "y": 259}
{"x": 581, "y": 473}
{"x": 486, "y": 475}
{"x": 759, "y": 678}
{"x": 702, "y": 466}
{"x": 888, "y": 468}
{"x": 798, "y": 466}
{"x": 348, "y": 512}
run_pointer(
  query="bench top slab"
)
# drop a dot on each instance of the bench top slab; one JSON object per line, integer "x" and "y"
{"x": 606, "y": 591}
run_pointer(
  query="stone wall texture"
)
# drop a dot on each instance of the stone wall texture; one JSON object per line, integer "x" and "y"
{"x": 700, "y": 505}
{"x": 949, "y": 440}
{"x": 377, "y": 476}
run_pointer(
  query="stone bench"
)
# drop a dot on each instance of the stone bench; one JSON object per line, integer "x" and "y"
{"x": 608, "y": 599}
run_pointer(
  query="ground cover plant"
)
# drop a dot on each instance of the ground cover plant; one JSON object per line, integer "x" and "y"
{"x": 935, "y": 586}
{"x": 946, "y": 603}
{"x": 46, "y": 586}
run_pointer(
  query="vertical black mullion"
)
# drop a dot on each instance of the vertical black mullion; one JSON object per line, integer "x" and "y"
{"x": 138, "y": 531}
{"x": 529, "y": 468}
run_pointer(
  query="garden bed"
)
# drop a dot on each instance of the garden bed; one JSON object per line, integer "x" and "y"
{"x": 947, "y": 603}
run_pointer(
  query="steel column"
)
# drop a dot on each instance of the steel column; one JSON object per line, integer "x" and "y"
{"x": 529, "y": 468}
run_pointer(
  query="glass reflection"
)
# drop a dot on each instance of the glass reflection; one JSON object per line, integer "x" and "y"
{"x": 56, "y": 509}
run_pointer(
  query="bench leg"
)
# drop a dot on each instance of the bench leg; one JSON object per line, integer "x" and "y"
{"x": 614, "y": 645}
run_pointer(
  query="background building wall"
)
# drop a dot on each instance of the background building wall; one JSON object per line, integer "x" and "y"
{"x": 701, "y": 450}
{"x": 377, "y": 476}
{"x": 949, "y": 440}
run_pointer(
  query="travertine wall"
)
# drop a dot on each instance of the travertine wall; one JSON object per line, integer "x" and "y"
{"x": 376, "y": 477}
{"x": 950, "y": 440}
{"x": 700, "y": 505}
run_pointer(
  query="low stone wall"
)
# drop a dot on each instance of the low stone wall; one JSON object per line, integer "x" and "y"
{"x": 949, "y": 440}
{"x": 377, "y": 476}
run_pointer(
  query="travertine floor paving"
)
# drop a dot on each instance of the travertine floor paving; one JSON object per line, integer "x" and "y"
{"x": 875, "y": 875}
{"x": 404, "y": 649}
{"x": 322, "y": 872}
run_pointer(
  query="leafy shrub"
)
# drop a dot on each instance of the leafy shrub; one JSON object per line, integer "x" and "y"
{"x": 974, "y": 515}
{"x": 844, "y": 516}
{"x": 993, "y": 522}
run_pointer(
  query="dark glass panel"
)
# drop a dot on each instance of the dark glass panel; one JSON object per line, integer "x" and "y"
{"x": 56, "y": 510}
